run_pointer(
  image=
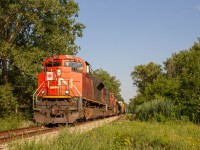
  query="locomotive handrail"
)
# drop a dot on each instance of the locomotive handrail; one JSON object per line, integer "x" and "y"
{"x": 77, "y": 90}
{"x": 80, "y": 104}
{"x": 64, "y": 81}
{"x": 36, "y": 95}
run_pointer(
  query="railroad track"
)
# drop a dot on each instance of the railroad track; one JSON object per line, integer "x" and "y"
{"x": 17, "y": 134}
{"x": 7, "y": 136}
{"x": 20, "y": 134}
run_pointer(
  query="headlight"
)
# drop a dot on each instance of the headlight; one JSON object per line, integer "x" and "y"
{"x": 43, "y": 92}
{"x": 58, "y": 72}
{"x": 66, "y": 92}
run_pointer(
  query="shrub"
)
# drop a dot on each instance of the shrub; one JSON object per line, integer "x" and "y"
{"x": 156, "y": 109}
{"x": 14, "y": 121}
{"x": 7, "y": 100}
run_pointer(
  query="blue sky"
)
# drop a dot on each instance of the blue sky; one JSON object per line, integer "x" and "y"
{"x": 121, "y": 34}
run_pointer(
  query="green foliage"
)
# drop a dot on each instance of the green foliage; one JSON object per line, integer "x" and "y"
{"x": 162, "y": 86}
{"x": 8, "y": 103}
{"x": 144, "y": 74}
{"x": 157, "y": 109}
{"x": 123, "y": 135}
{"x": 132, "y": 105}
{"x": 14, "y": 121}
{"x": 111, "y": 83}
{"x": 47, "y": 25}
{"x": 186, "y": 70}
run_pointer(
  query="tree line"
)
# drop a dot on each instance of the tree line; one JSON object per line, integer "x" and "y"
{"x": 177, "y": 80}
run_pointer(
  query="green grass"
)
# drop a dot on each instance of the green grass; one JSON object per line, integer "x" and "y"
{"x": 123, "y": 135}
{"x": 14, "y": 122}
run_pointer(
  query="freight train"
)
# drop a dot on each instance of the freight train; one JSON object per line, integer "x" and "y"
{"x": 68, "y": 92}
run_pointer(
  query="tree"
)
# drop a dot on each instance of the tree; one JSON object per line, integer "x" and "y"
{"x": 144, "y": 74}
{"x": 111, "y": 83}
{"x": 132, "y": 105}
{"x": 187, "y": 72}
{"x": 31, "y": 31}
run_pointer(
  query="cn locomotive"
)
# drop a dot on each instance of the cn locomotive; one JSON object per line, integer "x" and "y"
{"x": 68, "y": 92}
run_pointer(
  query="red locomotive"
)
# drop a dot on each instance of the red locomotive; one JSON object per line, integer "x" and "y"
{"x": 67, "y": 92}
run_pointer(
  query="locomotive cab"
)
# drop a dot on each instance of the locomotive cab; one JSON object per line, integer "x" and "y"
{"x": 58, "y": 76}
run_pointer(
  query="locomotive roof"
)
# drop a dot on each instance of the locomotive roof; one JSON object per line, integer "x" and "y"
{"x": 65, "y": 57}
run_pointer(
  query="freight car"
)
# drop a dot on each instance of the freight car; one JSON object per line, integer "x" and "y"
{"x": 67, "y": 92}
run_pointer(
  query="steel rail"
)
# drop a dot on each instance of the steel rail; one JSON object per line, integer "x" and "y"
{"x": 7, "y": 136}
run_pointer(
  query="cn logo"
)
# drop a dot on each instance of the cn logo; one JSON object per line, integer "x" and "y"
{"x": 49, "y": 76}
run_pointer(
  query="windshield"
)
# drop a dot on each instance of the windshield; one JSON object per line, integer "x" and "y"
{"x": 76, "y": 66}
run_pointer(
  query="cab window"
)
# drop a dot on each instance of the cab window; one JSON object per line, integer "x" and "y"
{"x": 52, "y": 64}
{"x": 76, "y": 66}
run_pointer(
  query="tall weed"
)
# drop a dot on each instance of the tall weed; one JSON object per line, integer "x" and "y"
{"x": 13, "y": 122}
{"x": 157, "y": 109}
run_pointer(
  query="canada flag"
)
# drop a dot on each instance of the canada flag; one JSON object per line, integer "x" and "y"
{"x": 49, "y": 76}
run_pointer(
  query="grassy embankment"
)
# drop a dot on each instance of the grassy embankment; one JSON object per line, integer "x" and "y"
{"x": 124, "y": 134}
{"x": 14, "y": 122}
